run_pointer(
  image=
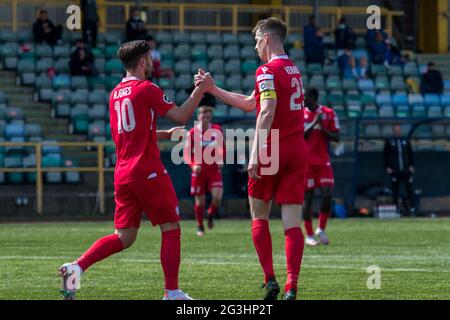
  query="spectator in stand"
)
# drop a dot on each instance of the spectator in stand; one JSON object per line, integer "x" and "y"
{"x": 90, "y": 21}
{"x": 313, "y": 42}
{"x": 157, "y": 71}
{"x": 432, "y": 81}
{"x": 392, "y": 55}
{"x": 81, "y": 60}
{"x": 45, "y": 31}
{"x": 372, "y": 34}
{"x": 350, "y": 66}
{"x": 377, "y": 47}
{"x": 135, "y": 26}
{"x": 344, "y": 36}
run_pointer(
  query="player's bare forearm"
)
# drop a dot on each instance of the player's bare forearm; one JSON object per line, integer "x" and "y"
{"x": 240, "y": 101}
{"x": 263, "y": 123}
{"x": 162, "y": 135}
{"x": 183, "y": 113}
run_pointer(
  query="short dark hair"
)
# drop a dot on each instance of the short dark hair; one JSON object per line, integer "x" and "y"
{"x": 312, "y": 93}
{"x": 130, "y": 53}
{"x": 431, "y": 64}
{"x": 149, "y": 37}
{"x": 42, "y": 11}
{"x": 271, "y": 25}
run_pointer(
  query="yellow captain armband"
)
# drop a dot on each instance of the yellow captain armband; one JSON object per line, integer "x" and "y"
{"x": 268, "y": 94}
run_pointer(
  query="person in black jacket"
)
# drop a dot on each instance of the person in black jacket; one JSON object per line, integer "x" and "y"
{"x": 135, "y": 27}
{"x": 345, "y": 36}
{"x": 81, "y": 60}
{"x": 45, "y": 31}
{"x": 90, "y": 21}
{"x": 432, "y": 80}
{"x": 399, "y": 165}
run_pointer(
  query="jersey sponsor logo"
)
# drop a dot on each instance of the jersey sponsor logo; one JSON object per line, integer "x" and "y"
{"x": 269, "y": 94}
{"x": 167, "y": 100}
{"x": 291, "y": 70}
{"x": 264, "y": 77}
{"x": 266, "y": 85}
{"x": 123, "y": 92}
{"x": 264, "y": 69}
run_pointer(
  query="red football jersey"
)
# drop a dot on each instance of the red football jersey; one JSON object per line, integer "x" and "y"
{"x": 280, "y": 78}
{"x": 134, "y": 106}
{"x": 317, "y": 142}
{"x": 197, "y": 134}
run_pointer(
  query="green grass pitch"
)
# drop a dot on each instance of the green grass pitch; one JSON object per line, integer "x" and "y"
{"x": 413, "y": 254}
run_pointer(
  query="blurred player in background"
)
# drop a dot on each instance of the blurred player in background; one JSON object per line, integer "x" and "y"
{"x": 278, "y": 99}
{"x": 141, "y": 182}
{"x": 205, "y": 177}
{"x": 321, "y": 127}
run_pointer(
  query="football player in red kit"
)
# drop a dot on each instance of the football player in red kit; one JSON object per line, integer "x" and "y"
{"x": 206, "y": 177}
{"x": 278, "y": 99}
{"x": 321, "y": 127}
{"x": 141, "y": 182}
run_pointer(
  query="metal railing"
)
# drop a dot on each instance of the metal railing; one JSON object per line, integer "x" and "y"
{"x": 180, "y": 9}
{"x": 40, "y": 170}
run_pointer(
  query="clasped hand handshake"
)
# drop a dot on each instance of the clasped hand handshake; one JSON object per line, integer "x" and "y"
{"x": 203, "y": 80}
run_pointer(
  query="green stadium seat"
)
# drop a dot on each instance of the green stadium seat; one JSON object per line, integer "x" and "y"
{"x": 235, "y": 112}
{"x": 386, "y": 111}
{"x": 197, "y": 38}
{"x": 96, "y": 82}
{"x": 395, "y": 70}
{"x": 402, "y": 111}
{"x": 43, "y": 81}
{"x": 79, "y": 97}
{"x": 184, "y": 81}
{"x": 378, "y": 70}
{"x": 111, "y": 51}
{"x": 62, "y": 65}
{"x": 233, "y": 67}
{"x": 221, "y": 110}
{"x": 231, "y": 52}
{"x": 245, "y": 39}
{"x": 27, "y": 51}
{"x": 229, "y": 38}
{"x": 14, "y": 113}
{"x": 349, "y": 84}
{"x": 372, "y": 131}
{"x": 215, "y": 52}
{"x": 411, "y": 70}
{"x": 220, "y": 80}
{"x": 113, "y": 38}
{"x": 166, "y": 83}
{"x": 447, "y": 112}
{"x": 248, "y": 83}
{"x": 248, "y": 52}
{"x": 435, "y": 112}
{"x": 79, "y": 82}
{"x": 233, "y": 82}
{"x": 382, "y": 83}
{"x": 198, "y": 52}
{"x": 340, "y": 111}
{"x": 181, "y": 37}
{"x": 97, "y": 112}
{"x": 15, "y": 150}
{"x": 370, "y": 111}
{"x": 216, "y": 67}
{"x": 183, "y": 66}
{"x": 9, "y": 49}
{"x": 114, "y": 66}
{"x": 314, "y": 69}
{"x": 42, "y": 65}
{"x": 61, "y": 81}
{"x": 249, "y": 66}
{"x": 8, "y": 36}
{"x": 166, "y": 51}
{"x": 97, "y": 53}
{"x": 14, "y": 161}
{"x": 295, "y": 54}
{"x": 333, "y": 82}
{"x": 213, "y": 38}
{"x": 182, "y": 51}
{"x": 181, "y": 96}
{"x": 61, "y": 51}
{"x": 3, "y": 98}
{"x": 30, "y": 162}
{"x": 354, "y": 111}
{"x": 335, "y": 98}
{"x": 44, "y": 51}
{"x": 61, "y": 110}
{"x": 80, "y": 123}
{"x": 164, "y": 37}
{"x": 33, "y": 130}
{"x": 398, "y": 83}
{"x": 202, "y": 64}
{"x": 317, "y": 81}
{"x": 26, "y": 65}
{"x": 367, "y": 98}
{"x": 52, "y": 160}
{"x": 71, "y": 177}
{"x": 418, "y": 111}
{"x": 100, "y": 65}
{"x": 111, "y": 82}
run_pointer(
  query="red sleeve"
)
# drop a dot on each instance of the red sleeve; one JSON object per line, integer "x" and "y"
{"x": 158, "y": 100}
{"x": 334, "y": 122}
{"x": 264, "y": 79}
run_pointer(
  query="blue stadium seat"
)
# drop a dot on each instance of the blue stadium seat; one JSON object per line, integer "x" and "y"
{"x": 415, "y": 99}
{"x": 14, "y": 130}
{"x": 400, "y": 99}
{"x": 384, "y": 98}
{"x": 445, "y": 99}
{"x": 432, "y": 99}
{"x": 366, "y": 85}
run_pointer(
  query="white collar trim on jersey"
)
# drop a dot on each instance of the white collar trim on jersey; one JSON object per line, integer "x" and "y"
{"x": 283, "y": 56}
{"x": 130, "y": 79}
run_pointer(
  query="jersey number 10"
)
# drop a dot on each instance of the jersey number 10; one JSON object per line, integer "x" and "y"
{"x": 125, "y": 115}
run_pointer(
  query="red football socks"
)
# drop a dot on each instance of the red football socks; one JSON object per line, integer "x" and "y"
{"x": 323, "y": 218}
{"x": 101, "y": 249}
{"x": 294, "y": 244}
{"x": 170, "y": 257}
{"x": 308, "y": 228}
{"x": 263, "y": 245}
{"x": 199, "y": 212}
{"x": 212, "y": 211}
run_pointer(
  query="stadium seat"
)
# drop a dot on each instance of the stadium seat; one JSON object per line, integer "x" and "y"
{"x": 398, "y": 83}
{"x": 295, "y": 54}
{"x": 331, "y": 70}
{"x": 370, "y": 111}
{"x": 387, "y": 131}
{"x": 43, "y": 81}
{"x": 231, "y": 52}
{"x": 111, "y": 51}
{"x": 183, "y": 66}
{"x": 216, "y": 67}
{"x": 96, "y": 82}
{"x": 317, "y": 81}
{"x": 415, "y": 99}
{"x": 221, "y": 110}
{"x": 382, "y": 83}
{"x": 181, "y": 96}
{"x": 378, "y": 70}
{"x": 43, "y": 65}
{"x": 14, "y": 161}
{"x": 61, "y": 110}
{"x": 182, "y": 51}
{"x": 8, "y": 36}
{"x": 97, "y": 112}
{"x": 248, "y": 52}
{"x": 432, "y": 99}
{"x": 79, "y": 82}
{"x": 61, "y": 51}
{"x": 197, "y": 38}
{"x": 164, "y": 37}
{"x": 166, "y": 83}
{"x": 213, "y": 38}
{"x": 199, "y": 64}
{"x": 435, "y": 112}
{"x": 333, "y": 82}
{"x": 198, "y": 52}
{"x": 411, "y": 70}
{"x": 79, "y": 97}
{"x": 438, "y": 130}
{"x": 233, "y": 82}
{"x": 335, "y": 98}
{"x": 395, "y": 70}
{"x": 215, "y": 52}
{"x": 71, "y": 177}
{"x": 349, "y": 84}
{"x": 30, "y": 162}
{"x": 366, "y": 85}
{"x": 402, "y": 111}
{"x": 181, "y": 37}
{"x": 353, "y": 111}
{"x": 14, "y": 113}
{"x": 52, "y": 160}
{"x": 44, "y": 51}
{"x": 114, "y": 66}
{"x": 249, "y": 66}
{"x": 229, "y": 38}
{"x": 447, "y": 112}
{"x": 248, "y": 83}
{"x": 3, "y": 98}
{"x": 314, "y": 69}
{"x": 384, "y": 98}
{"x": 184, "y": 81}
{"x": 400, "y": 99}
{"x": 112, "y": 81}
{"x": 386, "y": 111}
{"x": 233, "y": 67}
{"x": 62, "y": 65}
{"x": 418, "y": 111}
{"x": 33, "y": 130}
{"x": 372, "y": 131}
{"x": 235, "y": 112}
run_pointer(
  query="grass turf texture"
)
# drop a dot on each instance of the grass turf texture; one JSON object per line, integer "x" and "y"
{"x": 413, "y": 255}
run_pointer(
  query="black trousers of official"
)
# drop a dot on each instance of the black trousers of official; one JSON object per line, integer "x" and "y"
{"x": 407, "y": 179}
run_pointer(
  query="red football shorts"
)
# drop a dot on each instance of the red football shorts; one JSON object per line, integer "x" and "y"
{"x": 287, "y": 185}
{"x": 319, "y": 176}
{"x": 155, "y": 197}
{"x": 208, "y": 178}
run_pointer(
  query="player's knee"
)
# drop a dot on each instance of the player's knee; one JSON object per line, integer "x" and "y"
{"x": 127, "y": 238}
{"x": 216, "y": 201}
{"x": 200, "y": 201}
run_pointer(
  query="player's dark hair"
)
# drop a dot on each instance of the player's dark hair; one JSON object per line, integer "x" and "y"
{"x": 271, "y": 25}
{"x": 131, "y": 52}
{"x": 312, "y": 93}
